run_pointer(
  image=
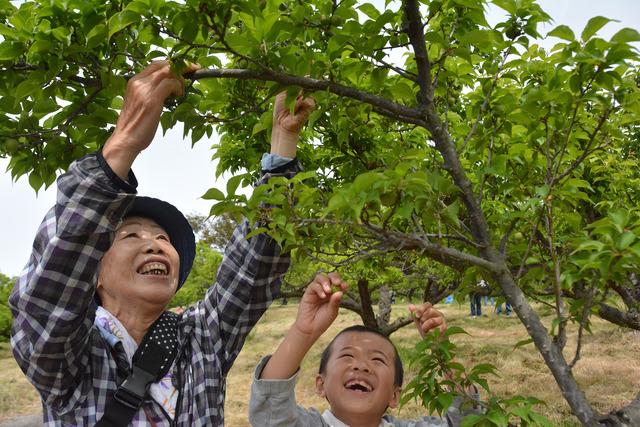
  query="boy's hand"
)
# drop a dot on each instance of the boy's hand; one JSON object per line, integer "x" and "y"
{"x": 319, "y": 305}
{"x": 317, "y": 310}
{"x": 287, "y": 126}
{"x": 426, "y": 318}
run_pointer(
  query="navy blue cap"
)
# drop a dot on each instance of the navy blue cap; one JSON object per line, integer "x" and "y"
{"x": 175, "y": 224}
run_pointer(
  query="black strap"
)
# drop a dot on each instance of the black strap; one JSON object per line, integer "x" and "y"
{"x": 151, "y": 363}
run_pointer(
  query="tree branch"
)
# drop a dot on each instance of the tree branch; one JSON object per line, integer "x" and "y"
{"x": 521, "y": 270}
{"x": 448, "y": 256}
{"x": 397, "y": 324}
{"x": 586, "y": 311}
{"x": 416, "y": 37}
{"x": 381, "y": 105}
{"x": 624, "y": 293}
{"x": 561, "y": 338}
{"x": 351, "y": 305}
{"x": 630, "y": 319}
{"x": 505, "y": 237}
{"x": 586, "y": 152}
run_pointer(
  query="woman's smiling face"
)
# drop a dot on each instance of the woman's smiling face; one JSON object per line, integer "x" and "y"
{"x": 140, "y": 266}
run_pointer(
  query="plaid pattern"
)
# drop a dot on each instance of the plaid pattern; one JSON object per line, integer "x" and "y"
{"x": 62, "y": 352}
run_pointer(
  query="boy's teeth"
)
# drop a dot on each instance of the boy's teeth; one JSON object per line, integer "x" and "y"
{"x": 358, "y": 385}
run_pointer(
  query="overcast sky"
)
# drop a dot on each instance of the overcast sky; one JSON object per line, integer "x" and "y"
{"x": 170, "y": 169}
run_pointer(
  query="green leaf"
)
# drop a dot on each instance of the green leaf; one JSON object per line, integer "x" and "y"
{"x": 403, "y": 91}
{"x": 213, "y": 194}
{"x": 508, "y": 5}
{"x": 450, "y": 213}
{"x": 369, "y": 10}
{"x": 242, "y": 42}
{"x": 121, "y": 20}
{"x": 522, "y": 343}
{"x": 540, "y": 420}
{"x": 590, "y": 245}
{"x": 40, "y": 46}
{"x": 26, "y": 88}
{"x": 593, "y": 26}
{"x": 7, "y": 32}
{"x": 62, "y": 34}
{"x": 233, "y": 183}
{"x": 257, "y": 128}
{"x": 96, "y": 36}
{"x": 625, "y": 240}
{"x": 454, "y": 330}
{"x": 445, "y": 400}
{"x": 484, "y": 368}
{"x": 626, "y": 35}
{"x": 498, "y": 417}
{"x": 605, "y": 264}
{"x": 575, "y": 83}
{"x": 620, "y": 218}
{"x": 10, "y": 50}
{"x": 562, "y": 32}
{"x": 471, "y": 420}
{"x": 138, "y": 7}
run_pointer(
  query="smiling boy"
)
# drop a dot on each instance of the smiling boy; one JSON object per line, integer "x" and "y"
{"x": 360, "y": 372}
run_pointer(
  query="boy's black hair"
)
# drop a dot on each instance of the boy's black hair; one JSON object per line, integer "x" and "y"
{"x": 326, "y": 353}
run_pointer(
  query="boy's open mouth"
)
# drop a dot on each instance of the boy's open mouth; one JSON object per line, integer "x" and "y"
{"x": 358, "y": 385}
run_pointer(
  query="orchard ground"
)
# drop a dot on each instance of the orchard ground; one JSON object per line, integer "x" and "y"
{"x": 608, "y": 370}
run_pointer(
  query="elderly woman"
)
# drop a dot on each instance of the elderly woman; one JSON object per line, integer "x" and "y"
{"x": 92, "y": 363}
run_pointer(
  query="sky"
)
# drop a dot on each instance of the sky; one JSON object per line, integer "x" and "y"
{"x": 170, "y": 169}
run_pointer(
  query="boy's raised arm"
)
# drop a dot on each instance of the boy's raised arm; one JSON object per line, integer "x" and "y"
{"x": 317, "y": 310}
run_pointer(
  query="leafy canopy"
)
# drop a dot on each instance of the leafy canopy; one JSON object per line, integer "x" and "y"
{"x": 437, "y": 134}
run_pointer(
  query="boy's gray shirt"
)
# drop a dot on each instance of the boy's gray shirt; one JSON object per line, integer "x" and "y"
{"x": 273, "y": 403}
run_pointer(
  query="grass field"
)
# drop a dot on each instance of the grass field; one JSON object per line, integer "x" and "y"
{"x": 608, "y": 371}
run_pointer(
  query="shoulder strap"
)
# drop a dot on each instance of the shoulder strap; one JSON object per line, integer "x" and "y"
{"x": 151, "y": 362}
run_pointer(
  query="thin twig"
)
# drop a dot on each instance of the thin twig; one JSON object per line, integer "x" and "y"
{"x": 529, "y": 245}
{"x": 586, "y": 311}
{"x": 561, "y": 337}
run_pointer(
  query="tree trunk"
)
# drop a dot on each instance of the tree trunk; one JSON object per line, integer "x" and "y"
{"x": 384, "y": 307}
{"x": 552, "y": 356}
{"x": 514, "y": 295}
{"x": 629, "y": 416}
{"x": 435, "y": 290}
{"x": 367, "y": 315}
{"x": 629, "y": 319}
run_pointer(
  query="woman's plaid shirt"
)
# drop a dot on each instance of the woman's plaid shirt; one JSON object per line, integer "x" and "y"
{"x": 60, "y": 349}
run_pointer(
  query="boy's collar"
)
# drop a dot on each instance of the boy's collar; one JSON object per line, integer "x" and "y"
{"x": 331, "y": 419}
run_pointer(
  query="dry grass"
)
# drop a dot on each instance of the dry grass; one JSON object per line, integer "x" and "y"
{"x": 608, "y": 371}
{"x": 17, "y": 396}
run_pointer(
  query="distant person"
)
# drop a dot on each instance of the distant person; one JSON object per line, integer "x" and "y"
{"x": 475, "y": 298}
{"x": 476, "y": 304}
{"x": 507, "y": 310}
{"x": 106, "y": 262}
{"x": 360, "y": 372}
